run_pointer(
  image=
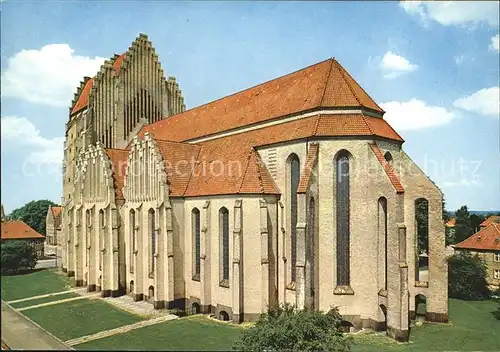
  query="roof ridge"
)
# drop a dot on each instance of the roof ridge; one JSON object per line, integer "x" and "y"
{"x": 347, "y": 83}
{"x": 326, "y": 81}
{"x": 190, "y": 175}
{"x": 259, "y": 175}
{"x": 367, "y": 124}
{"x": 318, "y": 118}
{"x": 175, "y": 142}
{"x": 343, "y": 72}
{"x": 246, "y": 170}
{"x": 241, "y": 91}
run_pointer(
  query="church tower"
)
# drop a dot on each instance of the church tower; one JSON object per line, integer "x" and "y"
{"x": 129, "y": 91}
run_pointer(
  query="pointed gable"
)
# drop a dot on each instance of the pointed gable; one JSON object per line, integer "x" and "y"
{"x": 393, "y": 177}
{"x": 179, "y": 159}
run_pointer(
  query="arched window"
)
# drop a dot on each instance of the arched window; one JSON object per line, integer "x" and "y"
{"x": 195, "y": 226}
{"x": 101, "y": 218}
{"x": 388, "y": 157}
{"x": 342, "y": 200}
{"x": 224, "y": 245}
{"x": 294, "y": 174}
{"x": 132, "y": 239}
{"x": 152, "y": 231}
{"x": 382, "y": 235}
{"x": 422, "y": 239}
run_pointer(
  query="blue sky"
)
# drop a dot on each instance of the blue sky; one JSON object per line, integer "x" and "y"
{"x": 434, "y": 67}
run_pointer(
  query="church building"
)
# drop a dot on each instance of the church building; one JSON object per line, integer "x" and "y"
{"x": 295, "y": 190}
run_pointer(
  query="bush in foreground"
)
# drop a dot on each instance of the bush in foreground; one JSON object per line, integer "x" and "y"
{"x": 467, "y": 277}
{"x": 16, "y": 257}
{"x": 289, "y": 329}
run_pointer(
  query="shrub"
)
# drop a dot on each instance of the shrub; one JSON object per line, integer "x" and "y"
{"x": 289, "y": 329}
{"x": 467, "y": 277}
{"x": 17, "y": 256}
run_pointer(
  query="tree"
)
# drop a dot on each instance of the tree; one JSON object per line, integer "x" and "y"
{"x": 467, "y": 277}
{"x": 422, "y": 218}
{"x": 289, "y": 329}
{"x": 475, "y": 221}
{"x": 33, "y": 214}
{"x": 17, "y": 256}
{"x": 463, "y": 227}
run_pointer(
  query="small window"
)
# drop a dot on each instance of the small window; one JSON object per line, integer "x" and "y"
{"x": 496, "y": 274}
{"x": 101, "y": 219}
{"x": 388, "y": 157}
{"x": 497, "y": 257}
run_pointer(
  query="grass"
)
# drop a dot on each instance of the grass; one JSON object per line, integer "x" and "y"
{"x": 35, "y": 283}
{"x": 34, "y": 302}
{"x": 193, "y": 333}
{"x": 79, "y": 318}
{"x": 472, "y": 328}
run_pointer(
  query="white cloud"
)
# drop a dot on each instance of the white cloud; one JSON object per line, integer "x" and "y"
{"x": 20, "y": 131}
{"x": 454, "y": 13}
{"x": 483, "y": 102}
{"x": 394, "y": 65}
{"x": 415, "y": 114}
{"x": 495, "y": 43}
{"x": 47, "y": 76}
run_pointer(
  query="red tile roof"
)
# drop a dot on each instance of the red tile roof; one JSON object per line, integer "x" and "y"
{"x": 451, "y": 222}
{"x": 323, "y": 85}
{"x": 256, "y": 178}
{"x": 393, "y": 177}
{"x": 56, "y": 211}
{"x": 118, "y": 62}
{"x": 312, "y": 157}
{"x": 487, "y": 238}
{"x": 118, "y": 158}
{"x": 18, "y": 230}
{"x": 179, "y": 160}
{"x": 83, "y": 99}
{"x": 492, "y": 219}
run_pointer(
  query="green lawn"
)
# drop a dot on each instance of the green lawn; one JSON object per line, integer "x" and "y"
{"x": 34, "y": 302}
{"x": 80, "y": 318}
{"x": 193, "y": 333}
{"x": 36, "y": 283}
{"x": 472, "y": 327}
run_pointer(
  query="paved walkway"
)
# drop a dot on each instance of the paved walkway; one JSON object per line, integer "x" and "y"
{"x": 120, "y": 330}
{"x": 21, "y": 333}
{"x": 75, "y": 290}
{"x": 126, "y": 302}
{"x": 58, "y": 302}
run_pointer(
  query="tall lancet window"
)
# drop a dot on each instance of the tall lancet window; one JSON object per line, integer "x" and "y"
{"x": 294, "y": 174}
{"x": 382, "y": 230}
{"x": 132, "y": 239}
{"x": 195, "y": 226}
{"x": 342, "y": 199}
{"x": 152, "y": 231}
{"x": 224, "y": 245}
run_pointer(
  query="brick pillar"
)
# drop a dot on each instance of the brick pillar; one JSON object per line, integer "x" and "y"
{"x": 264, "y": 255}
{"x": 300, "y": 271}
{"x": 205, "y": 272}
{"x": 237, "y": 288}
